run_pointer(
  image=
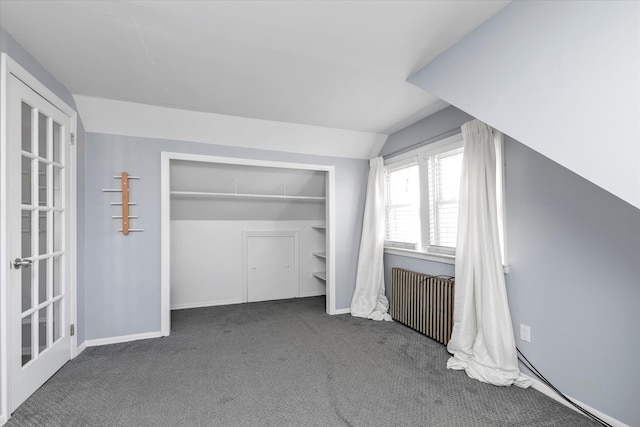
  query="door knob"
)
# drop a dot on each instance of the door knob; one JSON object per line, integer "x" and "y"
{"x": 19, "y": 263}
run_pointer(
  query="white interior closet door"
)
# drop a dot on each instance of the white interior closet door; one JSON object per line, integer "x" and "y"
{"x": 271, "y": 266}
{"x": 38, "y": 209}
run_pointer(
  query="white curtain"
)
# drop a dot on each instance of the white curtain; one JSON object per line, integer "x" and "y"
{"x": 369, "y": 300}
{"x": 482, "y": 341}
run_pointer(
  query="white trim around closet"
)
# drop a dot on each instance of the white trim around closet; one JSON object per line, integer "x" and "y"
{"x": 165, "y": 221}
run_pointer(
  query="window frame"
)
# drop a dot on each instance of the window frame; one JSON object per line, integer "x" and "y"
{"x": 399, "y": 164}
{"x": 420, "y": 156}
{"x": 452, "y": 143}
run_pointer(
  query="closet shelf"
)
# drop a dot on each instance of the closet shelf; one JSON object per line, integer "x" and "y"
{"x": 320, "y": 275}
{"x": 246, "y": 196}
{"x": 320, "y": 254}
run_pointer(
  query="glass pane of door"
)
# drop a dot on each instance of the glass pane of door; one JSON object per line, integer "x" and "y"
{"x": 42, "y": 280}
{"x": 42, "y": 135}
{"x": 42, "y": 233}
{"x": 42, "y": 183}
{"x": 26, "y": 180}
{"x": 57, "y": 321}
{"x": 57, "y": 184}
{"x": 26, "y": 234}
{"x": 57, "y": 231}
{"x": 42, "y": 329}
{"x": 26, "y": 127}
{"x": 57, "y": 275}
{"x": 57, "y": 146}
{"x": 27, "y": 341}
{"x": 27, "y": 292}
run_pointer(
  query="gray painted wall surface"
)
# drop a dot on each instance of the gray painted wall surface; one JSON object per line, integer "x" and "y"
{"x": 574, "y": 255}
{"x": 123, "y": 273}
{"x": 9, "y": 46}
{"x": 430, "y": 127}
{"x": 559, "y": 76}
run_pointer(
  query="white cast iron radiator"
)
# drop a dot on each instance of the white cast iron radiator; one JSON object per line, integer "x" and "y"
{"x": 423, "y": 302}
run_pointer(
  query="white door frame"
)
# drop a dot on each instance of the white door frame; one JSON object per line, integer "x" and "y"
{"x": 10, "y": 67}
{"x": 165, "y": 221}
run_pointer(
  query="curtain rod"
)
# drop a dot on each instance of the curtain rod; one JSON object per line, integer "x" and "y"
{"x": 419, "y": 144}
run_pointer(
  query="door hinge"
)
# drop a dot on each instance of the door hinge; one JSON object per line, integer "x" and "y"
{"x": 73, "y": 138}
{"x": 73, "y": 330}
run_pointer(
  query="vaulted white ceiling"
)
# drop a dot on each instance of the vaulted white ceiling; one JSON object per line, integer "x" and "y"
{"x": 337, "y": 64}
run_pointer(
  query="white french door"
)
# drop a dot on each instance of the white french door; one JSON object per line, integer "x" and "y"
{"x": 37, "y": 218}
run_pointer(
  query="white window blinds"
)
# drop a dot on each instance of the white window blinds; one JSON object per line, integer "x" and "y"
{"x": 444, "y": 171}
{"x": 402, "y": 202}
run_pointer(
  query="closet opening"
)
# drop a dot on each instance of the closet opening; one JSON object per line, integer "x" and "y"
{"x": 241, "y": 230}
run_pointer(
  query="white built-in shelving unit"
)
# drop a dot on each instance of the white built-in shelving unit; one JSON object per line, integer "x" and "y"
{"x": 322, "y": 275}
{"x": 245, "y": 224}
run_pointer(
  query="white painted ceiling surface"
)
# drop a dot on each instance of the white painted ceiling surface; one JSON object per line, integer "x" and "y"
{"x": 335, "y": 64}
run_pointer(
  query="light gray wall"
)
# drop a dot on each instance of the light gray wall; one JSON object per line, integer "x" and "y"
{"x": 559, "y": 76}
{"x": 9, "y": 46}
{"x": 427, "y": 128}
{"x": 574, "y": 255}
{"x": 123, "y": 273}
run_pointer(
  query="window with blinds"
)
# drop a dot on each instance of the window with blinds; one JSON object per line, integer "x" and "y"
{"x": 444, "y": 187}
{"x": 421, "y": 198}
{"x": 402, "y": 207}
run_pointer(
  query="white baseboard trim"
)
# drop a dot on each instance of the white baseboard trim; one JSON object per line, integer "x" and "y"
{"x": 3, "y": 419}
{"x": 122, "y": 338}
{"x": 538, "y": 385}
{"x": 342, "y": 311}
{"x": 311, "y": 294}
{"x": 81, "y": 348}
{"x": 205, "y": 304}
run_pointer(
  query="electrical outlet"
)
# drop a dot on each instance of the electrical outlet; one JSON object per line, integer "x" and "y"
{"x": 525, "y": 333}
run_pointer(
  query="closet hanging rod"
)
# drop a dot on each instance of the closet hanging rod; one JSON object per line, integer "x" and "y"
{"x": 120, "y": 203}
{"x": 112, "y": 190}
{"x": 130, "y": 177}
{"x": 419, "y": 144}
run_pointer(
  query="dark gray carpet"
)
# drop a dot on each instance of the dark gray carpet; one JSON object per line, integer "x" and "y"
{"x": 280, "y": 363}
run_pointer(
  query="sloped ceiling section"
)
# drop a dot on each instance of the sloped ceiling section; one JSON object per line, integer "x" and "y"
{"x": 132, "y": 119}
{"x": 335, "y": 64}
{"x": 560, "y": 77}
